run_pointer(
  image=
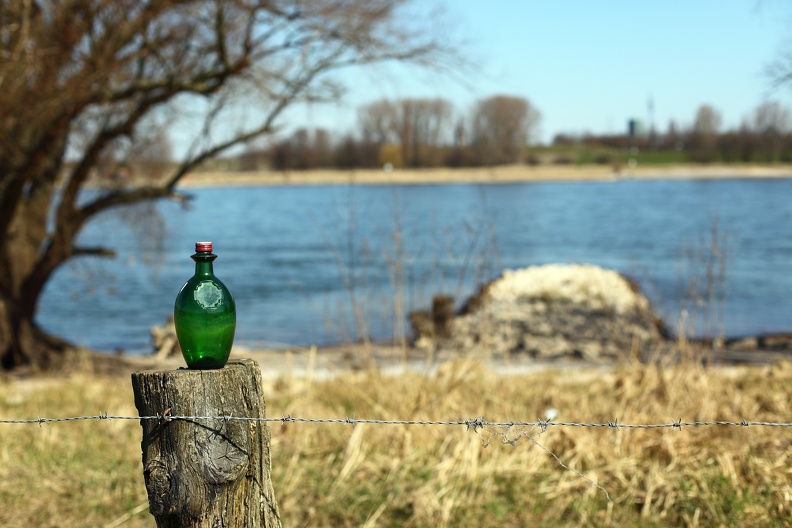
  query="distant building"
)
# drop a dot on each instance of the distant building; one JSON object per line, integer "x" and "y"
{"x": 635, "y": 128}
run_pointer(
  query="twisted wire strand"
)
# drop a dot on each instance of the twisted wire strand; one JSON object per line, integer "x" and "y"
{"x": 509, "y": 432}
{"x": 474, "y": 424}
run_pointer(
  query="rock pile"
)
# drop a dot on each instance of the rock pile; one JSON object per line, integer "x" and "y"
{"x": 550, "y": 312}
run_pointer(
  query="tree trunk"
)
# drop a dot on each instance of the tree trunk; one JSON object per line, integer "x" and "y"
{"x": 24, "y": 344}
{"x": 23, "y": 276}
{"x": 206, "y": 473}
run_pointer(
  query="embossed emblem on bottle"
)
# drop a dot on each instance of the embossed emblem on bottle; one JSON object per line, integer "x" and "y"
{"x": 208, "y": 295}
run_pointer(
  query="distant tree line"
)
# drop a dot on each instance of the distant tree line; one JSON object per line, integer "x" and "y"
{"x": 764, "y": 137}
{"x": 502, "y": 129}
{"x": 411, "y": 133}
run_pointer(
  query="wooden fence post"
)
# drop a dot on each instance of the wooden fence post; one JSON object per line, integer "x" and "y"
{"x": 203, "y": 473}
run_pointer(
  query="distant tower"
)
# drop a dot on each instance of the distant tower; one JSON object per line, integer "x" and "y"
{"x": 635, "y": 128}
{"x": 650, "y": 122}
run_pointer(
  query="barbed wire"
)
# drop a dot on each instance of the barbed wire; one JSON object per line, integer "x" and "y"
{"x": 508, "y": 432}
{"x": 475, "y": 423}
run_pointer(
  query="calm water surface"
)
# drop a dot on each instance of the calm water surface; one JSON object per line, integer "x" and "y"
{"x": 303, "y": 261}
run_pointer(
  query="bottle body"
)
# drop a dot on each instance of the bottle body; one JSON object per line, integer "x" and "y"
{"x": 205, "y": 315}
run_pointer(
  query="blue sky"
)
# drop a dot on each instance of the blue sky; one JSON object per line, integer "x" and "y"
{"x": 591, "y": 65}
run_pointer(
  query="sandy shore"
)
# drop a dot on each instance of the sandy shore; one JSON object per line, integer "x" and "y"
{"x": 319, "y": 364}
{"x": 322, "y": 363}
{"x": 504, "y": 174}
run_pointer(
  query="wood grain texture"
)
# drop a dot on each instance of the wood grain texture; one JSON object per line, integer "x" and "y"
{"x": 206, "y": 473}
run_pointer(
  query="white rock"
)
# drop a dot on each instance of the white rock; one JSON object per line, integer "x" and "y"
{"x": 577, "y": 283}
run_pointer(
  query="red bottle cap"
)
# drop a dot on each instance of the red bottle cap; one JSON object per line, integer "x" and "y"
{"x": 203, "y": 247}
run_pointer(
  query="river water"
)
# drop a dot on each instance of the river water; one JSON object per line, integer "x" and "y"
{"x": 327, "y": 264}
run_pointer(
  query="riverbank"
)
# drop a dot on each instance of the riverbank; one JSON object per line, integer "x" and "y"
{"x": 483, "y": 175}
{"x": 556, "y": 316}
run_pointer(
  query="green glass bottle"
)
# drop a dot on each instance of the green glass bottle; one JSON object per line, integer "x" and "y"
{"x": 205, "y": 315}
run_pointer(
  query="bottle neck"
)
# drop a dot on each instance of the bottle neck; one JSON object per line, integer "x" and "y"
{"x": 203, "y": 263}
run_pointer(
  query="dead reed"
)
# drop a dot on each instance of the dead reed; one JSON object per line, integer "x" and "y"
{"x": 89, "y": 474}
{"x": 435, "y": 476}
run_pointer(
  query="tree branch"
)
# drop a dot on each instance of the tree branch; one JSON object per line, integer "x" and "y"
{"x": 80, "y": 251}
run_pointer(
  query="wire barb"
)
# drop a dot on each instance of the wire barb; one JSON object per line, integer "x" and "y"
{"x": 475, "y": 424}
{"x": 165, "y": 416}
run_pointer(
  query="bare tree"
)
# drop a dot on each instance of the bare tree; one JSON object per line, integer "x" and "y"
{"x": 673, "y": 139}
{"x": 771, "y": 116}
{"x": 304, "y": 149}
{"x": 771, "y": 122}
{"x": 322, "y": 152}
{"x": 418, "y": 126}
{"x": 352, "y": 153}
{"x": 779, "y": 73}
{"x": 84, "y": 77}
{"x": 502, "y": 127}
{"x": 432, "y": 127}
{"x": 708, "y": 120}
{"x": 704, "y": 134}
{"x": 376, "y": 122}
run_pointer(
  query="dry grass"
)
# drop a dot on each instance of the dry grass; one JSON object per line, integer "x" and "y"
{"x": 89, "y": 474}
